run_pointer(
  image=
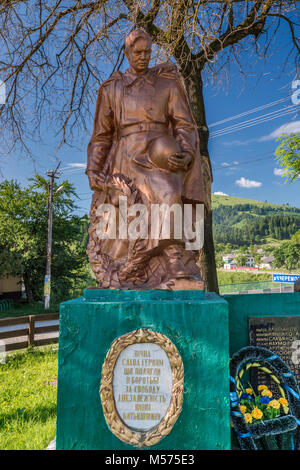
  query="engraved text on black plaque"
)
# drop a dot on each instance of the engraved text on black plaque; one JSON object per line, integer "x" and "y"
{"x": 282, "y": 336}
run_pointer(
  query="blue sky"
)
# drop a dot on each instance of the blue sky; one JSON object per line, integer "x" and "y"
{"x": 242, "y": 156}
{"x": 242, "y": 150}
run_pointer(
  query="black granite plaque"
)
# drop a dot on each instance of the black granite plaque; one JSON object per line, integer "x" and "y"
{"x": 280, "y": 335}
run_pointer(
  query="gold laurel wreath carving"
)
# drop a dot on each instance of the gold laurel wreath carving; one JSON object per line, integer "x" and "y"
{"x": 115, "y": 423}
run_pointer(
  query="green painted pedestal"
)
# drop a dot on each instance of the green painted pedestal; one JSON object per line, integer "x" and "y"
{"x": 198, "y": 326}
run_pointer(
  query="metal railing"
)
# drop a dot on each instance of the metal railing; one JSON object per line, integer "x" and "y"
{"x": 6, "y": 304}
{"x": 248, "y": 286}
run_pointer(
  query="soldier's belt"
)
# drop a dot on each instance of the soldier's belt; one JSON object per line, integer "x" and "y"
{"x": 142, "y": 127}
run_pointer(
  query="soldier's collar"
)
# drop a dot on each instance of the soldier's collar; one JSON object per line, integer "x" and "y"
{"x": 130, "y": 77}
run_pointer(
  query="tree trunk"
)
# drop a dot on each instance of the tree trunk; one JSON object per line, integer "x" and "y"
{"x": 26, "y": 278}
{"x": 194, "y": 85}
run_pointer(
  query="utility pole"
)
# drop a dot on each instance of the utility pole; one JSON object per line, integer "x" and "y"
{"x": 47, "y": 284}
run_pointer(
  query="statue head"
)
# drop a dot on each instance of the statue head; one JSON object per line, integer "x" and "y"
{"x": 138, "y": 50}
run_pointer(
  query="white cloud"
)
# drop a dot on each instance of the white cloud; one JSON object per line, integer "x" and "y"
{"x": 245, "y": 183}
{"x": 232, "y": 143}
{"x": 76, "y": 165}
{"x": 230, "y": 165}
{"x": 287, "y": 128}
{"x": 220, "y": 193}
{"x": 278, "y": 171}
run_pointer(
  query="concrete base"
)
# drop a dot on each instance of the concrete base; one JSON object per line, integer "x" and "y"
{"x": 198, "y": 326}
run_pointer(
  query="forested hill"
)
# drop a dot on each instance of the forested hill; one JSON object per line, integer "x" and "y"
{"x": 244, "y": 221}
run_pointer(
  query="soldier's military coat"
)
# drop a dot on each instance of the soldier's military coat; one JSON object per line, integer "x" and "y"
{"x": 127, "y": 100}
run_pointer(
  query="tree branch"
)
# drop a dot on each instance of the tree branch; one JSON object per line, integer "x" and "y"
{"x": 253, "y": 25}
{"x": 296, "y": 41}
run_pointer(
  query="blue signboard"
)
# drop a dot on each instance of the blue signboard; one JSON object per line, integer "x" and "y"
{"x": 285, "y": 277}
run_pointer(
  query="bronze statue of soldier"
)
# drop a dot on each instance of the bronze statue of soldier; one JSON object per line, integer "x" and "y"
{"x": 144, "y": 147}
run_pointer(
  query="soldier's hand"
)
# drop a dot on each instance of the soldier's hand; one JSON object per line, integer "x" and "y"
{"x": 97, "y": 181}
{"x": 179, "y": 162}
{"x": 120, "y": 183}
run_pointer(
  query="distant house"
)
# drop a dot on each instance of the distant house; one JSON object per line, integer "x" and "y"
{"x": 250, "y": 261}
{"x": 229, "y": 261}
{"x": 10, "y": 288}
{"x": 267, "y": 262}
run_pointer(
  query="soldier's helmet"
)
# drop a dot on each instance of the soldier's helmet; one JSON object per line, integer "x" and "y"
{"x": 161, "y": 148}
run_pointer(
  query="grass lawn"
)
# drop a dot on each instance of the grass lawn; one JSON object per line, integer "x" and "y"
{"x": 233, "y": 277}
{"x": 28, "y": 387}
{"x": 218, "y": 200}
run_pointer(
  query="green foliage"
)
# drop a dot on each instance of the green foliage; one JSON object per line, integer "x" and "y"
{"x": 219, "y": 260}
{"x": 23, "y": 237}
{"x": 296, "y": 237}
{"x": 287, "y": 255}
{"x": 223, "y": 247}
{"x": 28, "y": 400}
{"x": 218, "y": 200}
{"x": 257, "y": 259}
{"x": 241, "y": 259}
{"x": 238, "y": 277}
{"x": 251, "y": 223}
{"x": 20, "y": 309}
{"x": 288, "y": 155}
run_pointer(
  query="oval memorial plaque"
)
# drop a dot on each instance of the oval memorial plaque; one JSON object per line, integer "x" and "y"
{"x": 142, "y": 387}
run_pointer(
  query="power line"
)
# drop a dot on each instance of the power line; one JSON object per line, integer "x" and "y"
{"x": 250, "y": 111}
{"x": 254, "y": 119}
{"x": 243, "y": 163}
{"x": 253, "y": 122}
